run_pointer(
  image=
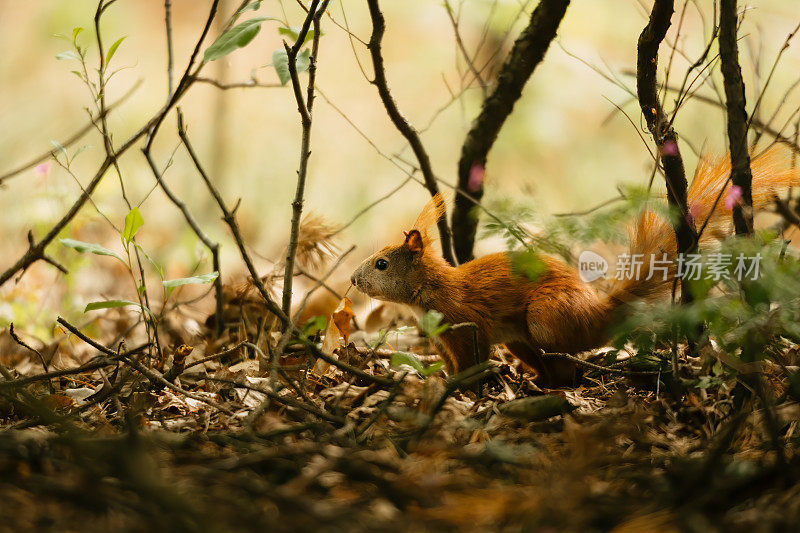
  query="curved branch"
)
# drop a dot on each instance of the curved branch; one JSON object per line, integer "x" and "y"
{"x": 528, "y": 51}
{"x": 400, "y": 122}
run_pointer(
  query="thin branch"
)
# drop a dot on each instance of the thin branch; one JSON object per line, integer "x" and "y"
{"x": 460, "y": 43}
{"x": 153, "y": 375}
{"x": 756, "y": 124}
{"x": 72, "y": 139}
{"x": 212, "y": 246}
{"x": 100, "y": 98}
{"x": 600, "y": 368}
{"x": 351, "y": 36}
{"x": 188, "y": 76}
{"x": 402, "y": 125}
{"x": 783, "y": 49}
{"x": 94, "y": 364}
{"x": 789, "y": 215}
{"x": 527, "y": 53}
{"x": 27, "y": 346}
{"x": 170, "y": 58}
{"x": 251, "y": 83}
{"x": 285, "y": 400}
{"x": 215, "y": 356}
{"x": 304, "y": 107}
{"x": 373, "y": 204}
{"x": 230, "y": 219}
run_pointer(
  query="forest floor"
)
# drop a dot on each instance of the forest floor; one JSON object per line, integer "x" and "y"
{"x": 113, "y": 448}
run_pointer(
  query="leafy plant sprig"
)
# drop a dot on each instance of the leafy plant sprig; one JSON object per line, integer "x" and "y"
{"x": 133, "y": 223}
{"x": 243, "y": 33}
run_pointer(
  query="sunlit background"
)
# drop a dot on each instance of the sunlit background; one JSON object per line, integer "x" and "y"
{"x": 565, "y": 148}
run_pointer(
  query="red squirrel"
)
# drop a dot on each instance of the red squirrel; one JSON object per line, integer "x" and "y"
{"x": 556, "y": 312}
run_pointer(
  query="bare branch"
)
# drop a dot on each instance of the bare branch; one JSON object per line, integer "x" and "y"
{"x": 212, "y": 246}
{"x": 528, "y": 51}
{"x": 304, "y": 107}
{"x": 251, "y": 83}
{"x": 741, "y": 175}
{"x": 663, "y": 134}
{"x": 230, "y": 219}
{"x": 170, "y": 59}
{"x": 400, "y": 122}
{"x": 154, "y": 376}
{"x": 72, "y": 139}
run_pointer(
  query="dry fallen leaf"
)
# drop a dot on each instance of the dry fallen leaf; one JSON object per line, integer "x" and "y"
{"x": 338, "y": 325}
{"x": 342, "y": 317}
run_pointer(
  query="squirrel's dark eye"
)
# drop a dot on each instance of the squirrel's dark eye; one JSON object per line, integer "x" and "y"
{"x": 381, "y": 264}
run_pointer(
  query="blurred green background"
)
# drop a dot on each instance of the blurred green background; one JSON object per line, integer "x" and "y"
{"x": 564, "y": 148}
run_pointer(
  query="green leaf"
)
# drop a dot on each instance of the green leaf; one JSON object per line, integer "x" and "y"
{"x": 382, "y": 334}
{"x": 133, "y": 221}
{"x": 108, "y": 305}
{"x": 433, "y": 367}
{"x": 68, "y": 54}
{"x": 252, "y": 6}
{"x": 280, "y": 60}
{"x": 170, "y": 284}
{"x": 89, "y": 247}
{"x": 205, "y": 278}
{"x": 236, "y": 37}
{"x": 293, "y": 32}
{"x": 431, "y": 324}
{"x": 527, "y": 263}
{"x": 113, "y": 49}
{"x": 313, "y": 325}
{"x": 114, "y": 303}
{"x": 410, "y": 359}
{"x": 75, "y": 32}
{"x": 57, "y": 145}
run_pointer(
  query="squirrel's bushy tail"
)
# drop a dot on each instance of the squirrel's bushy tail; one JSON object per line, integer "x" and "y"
{"x": 652, "y": 236}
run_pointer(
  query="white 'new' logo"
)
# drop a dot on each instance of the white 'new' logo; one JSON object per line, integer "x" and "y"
{"x": 591, "y": 266}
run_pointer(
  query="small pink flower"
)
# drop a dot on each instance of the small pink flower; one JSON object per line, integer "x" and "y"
{"x": 42, "y": 169}
{"x": 669, "y": 148}
{"x": 476, "y": 174}
{"x": 694, "y": 210}
{"x": 733, "y": 198}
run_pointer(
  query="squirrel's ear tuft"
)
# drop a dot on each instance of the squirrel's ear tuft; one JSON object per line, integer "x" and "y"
{"x": 431, "y": 213}
{"x": 414, "y": 241}
{"x": 429, "y": 216}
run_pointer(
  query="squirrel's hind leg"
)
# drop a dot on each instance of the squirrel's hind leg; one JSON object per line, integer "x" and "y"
{"x": 550, "y": 371}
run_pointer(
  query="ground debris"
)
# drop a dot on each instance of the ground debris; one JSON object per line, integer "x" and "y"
{"x": 231, "y": 447}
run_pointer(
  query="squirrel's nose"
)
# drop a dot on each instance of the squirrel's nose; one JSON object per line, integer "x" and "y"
{"x": 353, "y": 279}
